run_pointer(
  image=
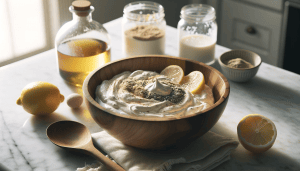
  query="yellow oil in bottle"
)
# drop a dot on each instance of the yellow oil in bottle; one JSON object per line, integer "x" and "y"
{"x": 77, "y": 58}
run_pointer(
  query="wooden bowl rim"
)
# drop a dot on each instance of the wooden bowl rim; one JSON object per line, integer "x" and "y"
{"x": 93, "y": 102}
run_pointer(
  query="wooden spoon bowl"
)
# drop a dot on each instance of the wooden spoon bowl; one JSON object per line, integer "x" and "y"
{"x": 75, "y": 136}
{"x": 154, "y": 132}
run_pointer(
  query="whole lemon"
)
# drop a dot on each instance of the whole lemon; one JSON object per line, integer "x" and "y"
{"x": 40, "y": 98}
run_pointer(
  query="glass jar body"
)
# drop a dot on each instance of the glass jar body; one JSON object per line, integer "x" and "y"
{"x": 143, "y": 29}
{"x": 82, "y": 45}
{"x": 197, "y": 33}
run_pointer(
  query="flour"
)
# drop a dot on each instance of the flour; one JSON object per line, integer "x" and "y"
{"x": 93, "y": 167}
{"x": 144, "y": 40}
{"x": 239, "y": 63}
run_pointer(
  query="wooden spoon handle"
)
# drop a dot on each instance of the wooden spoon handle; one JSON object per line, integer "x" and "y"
{"x": 104, "y": 160}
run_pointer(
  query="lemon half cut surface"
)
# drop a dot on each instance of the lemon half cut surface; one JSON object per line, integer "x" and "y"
{"x": 40, "y": 98}
{"x": 256, "y": 133}
{"x": 174, "y": 72}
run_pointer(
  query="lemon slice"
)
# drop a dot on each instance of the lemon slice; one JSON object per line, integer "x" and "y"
{"x": 174, "y": 72}
{"x": 256, "y": 133}
{"x": 194, "y": 82}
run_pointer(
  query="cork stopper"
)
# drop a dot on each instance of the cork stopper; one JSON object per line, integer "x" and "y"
{"x": 81, "y": 5}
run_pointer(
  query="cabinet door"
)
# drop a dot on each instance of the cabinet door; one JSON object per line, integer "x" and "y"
{"x": 272, "y": 4}
{"x": 252, "y": 28}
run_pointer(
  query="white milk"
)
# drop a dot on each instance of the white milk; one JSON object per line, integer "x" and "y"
{"x": 198, "y": 47}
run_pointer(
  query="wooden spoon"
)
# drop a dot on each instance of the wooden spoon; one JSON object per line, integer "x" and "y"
{"x": 75, "y": 136}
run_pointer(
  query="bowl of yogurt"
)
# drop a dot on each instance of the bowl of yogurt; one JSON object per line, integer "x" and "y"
{"x": 136, "y": 104}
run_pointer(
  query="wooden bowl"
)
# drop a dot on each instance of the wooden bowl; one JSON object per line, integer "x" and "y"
{"x": 154, "y": 132}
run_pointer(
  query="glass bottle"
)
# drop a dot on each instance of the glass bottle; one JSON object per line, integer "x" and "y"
{"x": 143, "y": 29}
{"x": 197, "y": 31}
{"x": 82, "y": 44}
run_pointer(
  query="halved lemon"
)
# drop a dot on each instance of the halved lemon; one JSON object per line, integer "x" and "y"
{"x": 256, "y": 133}
{"x": 194, "y": 82}
{"x": 174, "y": 72}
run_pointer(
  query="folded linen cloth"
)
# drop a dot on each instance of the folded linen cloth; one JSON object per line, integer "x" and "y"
{"x": 205, "y": 153}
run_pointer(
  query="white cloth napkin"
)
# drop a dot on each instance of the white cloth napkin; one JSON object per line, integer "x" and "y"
{"x": 205, "y": 153}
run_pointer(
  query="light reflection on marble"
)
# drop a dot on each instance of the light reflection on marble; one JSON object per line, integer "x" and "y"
{"x": 24, "y": 145}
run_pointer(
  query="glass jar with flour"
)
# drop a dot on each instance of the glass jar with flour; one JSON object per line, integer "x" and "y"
{"x": 143, "y": 29}
{"x": 197, "y": 33}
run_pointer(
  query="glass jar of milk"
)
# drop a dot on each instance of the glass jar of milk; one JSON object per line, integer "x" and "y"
{"x": 198, "y": 33}
{"x": 143, "y": 29}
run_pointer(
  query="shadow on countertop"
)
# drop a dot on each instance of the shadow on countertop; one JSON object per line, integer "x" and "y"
{"x": 280, "y": 102}
{"x": 3, "y": 168}
{"x": 243, "y": 160}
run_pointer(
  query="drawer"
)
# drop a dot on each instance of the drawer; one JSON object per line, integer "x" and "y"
{"x": 273, "y": 4}
{"x": 251, "y": 33}
{"x": 251, "y": 28}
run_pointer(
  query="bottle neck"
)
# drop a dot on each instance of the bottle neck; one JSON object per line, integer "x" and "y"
{"x": 82, "y": 15}
{"x": 77, "y": 17}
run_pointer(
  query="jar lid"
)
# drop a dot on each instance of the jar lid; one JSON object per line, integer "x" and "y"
{"x": 81, "y": 5}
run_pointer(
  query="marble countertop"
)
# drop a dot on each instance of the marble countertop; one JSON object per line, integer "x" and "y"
{"x": 24, "y": 146}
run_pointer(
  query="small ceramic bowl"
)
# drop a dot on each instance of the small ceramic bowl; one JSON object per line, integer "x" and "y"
{"x": 239, "y": 74}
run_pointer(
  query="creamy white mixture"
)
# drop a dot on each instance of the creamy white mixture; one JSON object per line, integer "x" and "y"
{"x": 116, "y": 99}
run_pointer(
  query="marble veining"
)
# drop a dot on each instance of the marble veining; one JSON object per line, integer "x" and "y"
{"x": 24, "y": 146}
